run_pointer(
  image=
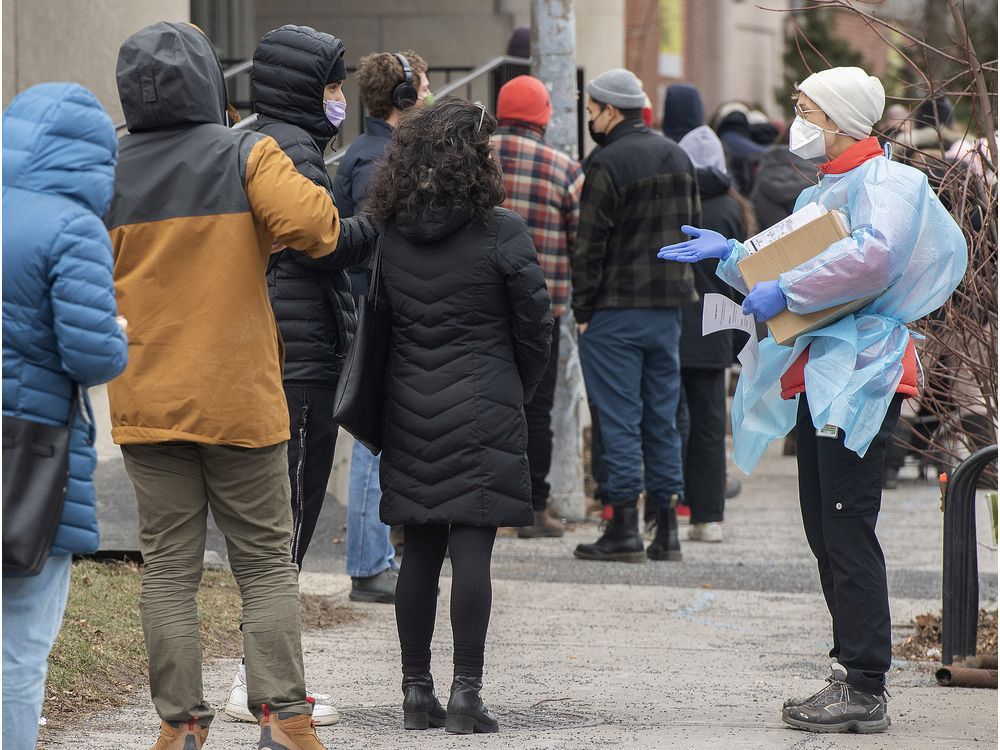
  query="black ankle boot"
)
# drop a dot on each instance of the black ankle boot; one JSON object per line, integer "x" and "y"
{"x": 620, "y": 541}
{"x": 466, "y": 712}
{"x": 666, "y": 545}
{"x": 421, "y": 708}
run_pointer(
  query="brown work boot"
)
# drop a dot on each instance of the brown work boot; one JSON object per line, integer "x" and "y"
{"x": 181, "y": 735}
{"x": 287, "y": 731}
{"x": 544, "y": 526}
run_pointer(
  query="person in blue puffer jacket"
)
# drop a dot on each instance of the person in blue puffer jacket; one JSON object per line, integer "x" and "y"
{"x": 59, "y": 328}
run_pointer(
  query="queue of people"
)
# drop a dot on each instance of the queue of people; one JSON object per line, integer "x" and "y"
{"x": 236, "y": 261}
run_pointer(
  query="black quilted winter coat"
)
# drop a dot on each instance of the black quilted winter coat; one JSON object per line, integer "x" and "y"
{"x": 311, "y": 298}
{"x": 470, "y": 342}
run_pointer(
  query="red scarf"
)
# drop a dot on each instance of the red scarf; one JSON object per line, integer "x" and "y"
{"x": 854, "y": 156}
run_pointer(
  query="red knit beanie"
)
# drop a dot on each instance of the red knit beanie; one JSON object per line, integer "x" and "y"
{"x": 524, "y": 99}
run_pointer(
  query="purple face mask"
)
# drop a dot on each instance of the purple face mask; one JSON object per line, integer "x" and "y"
{"x": 336, "y": 112}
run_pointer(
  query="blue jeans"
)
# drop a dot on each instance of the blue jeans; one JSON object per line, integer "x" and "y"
{"x": 369, "y": 550}
{"x": 631, "y": 366}
{"x": 32, "y": 613}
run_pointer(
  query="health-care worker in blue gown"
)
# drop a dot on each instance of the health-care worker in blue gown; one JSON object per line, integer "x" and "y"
{"x": 849, "y": 378}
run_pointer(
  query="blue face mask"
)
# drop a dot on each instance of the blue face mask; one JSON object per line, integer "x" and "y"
{"x": 336, "y": 112}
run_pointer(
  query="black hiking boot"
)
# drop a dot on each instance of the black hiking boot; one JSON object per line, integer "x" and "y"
{"x": 421, "y": 708}
{"x": 666, "y": 545}
{"x": 467, "y": 714}
{"x": 839, "y": 708}
{"x": 620, "y": 541}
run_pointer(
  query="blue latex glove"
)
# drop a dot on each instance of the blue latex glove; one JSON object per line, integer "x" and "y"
{"x": 765, "y": 301}
{"x": 704, "y": 244}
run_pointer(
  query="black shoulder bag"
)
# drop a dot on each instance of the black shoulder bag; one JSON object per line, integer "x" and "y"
{"x": 35, "y": 479}
{"x": 360, "y": 400}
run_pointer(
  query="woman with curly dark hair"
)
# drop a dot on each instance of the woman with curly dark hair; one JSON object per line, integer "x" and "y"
{"x": 470, "y": 340}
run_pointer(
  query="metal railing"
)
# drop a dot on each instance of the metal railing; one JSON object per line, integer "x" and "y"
{"x": 466, "y": 81}
{"x": 499, "y": 69}
{"x": 960, "y": 580}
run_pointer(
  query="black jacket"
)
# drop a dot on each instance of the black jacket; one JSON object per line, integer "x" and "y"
{"x": 781, "y": 177}
{"x": 311, "y": 298}
{"x": 471, "y": 329}
{"x": 639, "y": 190}
{"x": 355, "y": 170}
{"x": 720, "y": 212}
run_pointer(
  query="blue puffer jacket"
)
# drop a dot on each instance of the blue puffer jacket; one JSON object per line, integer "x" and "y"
{"x": 59, "y": 152}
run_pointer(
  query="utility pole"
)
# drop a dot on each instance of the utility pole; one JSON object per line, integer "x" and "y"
{"x": 553, "y": 61}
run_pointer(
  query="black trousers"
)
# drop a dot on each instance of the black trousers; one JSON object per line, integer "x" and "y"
{"x": 470, "y": 549}
{"x": 841, "y": 495}
{"x": 538, "y": 413}
{"x": 310, "y": 459}
{"x": 701, "y": 420}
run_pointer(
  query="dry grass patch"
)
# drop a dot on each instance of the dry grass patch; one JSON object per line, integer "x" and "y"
{"x": 99, "y": 659}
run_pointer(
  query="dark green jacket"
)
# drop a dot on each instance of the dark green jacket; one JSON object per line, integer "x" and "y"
{"x": 640, "y": 188}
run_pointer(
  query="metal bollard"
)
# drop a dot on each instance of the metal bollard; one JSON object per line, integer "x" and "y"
{"x": 960, "y": 583}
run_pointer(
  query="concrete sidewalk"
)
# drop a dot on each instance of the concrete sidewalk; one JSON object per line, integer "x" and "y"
{"x": 698, "y": 654}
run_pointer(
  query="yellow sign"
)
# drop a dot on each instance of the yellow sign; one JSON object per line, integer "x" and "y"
{"x": 671, "y": 59}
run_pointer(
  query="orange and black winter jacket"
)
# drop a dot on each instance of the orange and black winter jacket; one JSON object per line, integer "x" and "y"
{"x": 195, "y": 211}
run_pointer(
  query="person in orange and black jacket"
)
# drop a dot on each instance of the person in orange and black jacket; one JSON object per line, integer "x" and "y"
{"x": 199, "y": 411}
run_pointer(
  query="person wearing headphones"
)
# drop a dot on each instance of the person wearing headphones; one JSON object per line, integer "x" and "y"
{"x": 390, "y": 82}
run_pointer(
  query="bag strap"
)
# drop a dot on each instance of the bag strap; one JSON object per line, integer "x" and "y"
{"x": 376, "y": 280}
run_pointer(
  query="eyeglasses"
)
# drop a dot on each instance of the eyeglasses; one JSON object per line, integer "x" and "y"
{"x": 803, "y": 112}
{"x": 482, "y": 114}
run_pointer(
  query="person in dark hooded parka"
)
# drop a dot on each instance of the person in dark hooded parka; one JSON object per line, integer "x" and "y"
{"x": 471, "y": 335}
{"x": 296, "y": 77}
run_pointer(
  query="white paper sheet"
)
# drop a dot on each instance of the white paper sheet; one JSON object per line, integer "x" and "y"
{"x": 800, "y": 218}
{"x": 748, "y": 357}
{"x": 722, "y": 314}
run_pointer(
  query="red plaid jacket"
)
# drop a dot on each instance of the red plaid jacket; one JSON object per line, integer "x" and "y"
{"x": 543, "y": 185}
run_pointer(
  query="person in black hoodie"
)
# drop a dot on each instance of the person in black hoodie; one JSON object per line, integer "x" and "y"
{"x": 296, "y": 84}
{"x": 704, "y": 359}
{"x": 682, "y": 111}
{"x": 471, "y": 331}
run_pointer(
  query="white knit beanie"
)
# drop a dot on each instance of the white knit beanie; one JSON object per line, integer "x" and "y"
{"x": 850, "y": 97}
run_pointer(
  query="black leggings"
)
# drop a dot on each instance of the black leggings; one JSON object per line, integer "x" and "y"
{"x": 471, "y": 548}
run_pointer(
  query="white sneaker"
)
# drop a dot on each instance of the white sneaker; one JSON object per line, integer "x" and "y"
{"x": 324, "y": 712}
{"x": 705, "y": 532}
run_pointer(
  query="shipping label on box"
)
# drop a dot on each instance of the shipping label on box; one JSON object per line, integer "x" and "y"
{"x": 785, "y": 253}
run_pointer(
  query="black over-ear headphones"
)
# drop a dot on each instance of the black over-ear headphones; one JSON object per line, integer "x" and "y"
{"x": 405, "y": 94}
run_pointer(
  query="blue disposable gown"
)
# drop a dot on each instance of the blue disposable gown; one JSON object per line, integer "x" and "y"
{"x": 906, "y": 249}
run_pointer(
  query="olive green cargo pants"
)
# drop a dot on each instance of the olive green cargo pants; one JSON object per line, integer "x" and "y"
{"x": 248, "y": 492}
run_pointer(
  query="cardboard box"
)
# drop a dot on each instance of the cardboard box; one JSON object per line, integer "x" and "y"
{"x": 786, "y": 253}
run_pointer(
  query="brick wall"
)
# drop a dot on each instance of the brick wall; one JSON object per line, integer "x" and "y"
{"x": 642, "y": 47}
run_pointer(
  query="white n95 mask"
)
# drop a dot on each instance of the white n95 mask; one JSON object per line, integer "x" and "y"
{"x": 805, "y": 139}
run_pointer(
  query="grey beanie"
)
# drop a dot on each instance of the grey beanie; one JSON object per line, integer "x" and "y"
{"x": 618, "y": 87}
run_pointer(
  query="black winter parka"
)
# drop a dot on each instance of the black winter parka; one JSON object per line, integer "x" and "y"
{"x": 471, "y": 329}
{"x": 311, "y": 297}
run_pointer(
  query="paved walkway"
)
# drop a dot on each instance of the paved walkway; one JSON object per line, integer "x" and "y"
{"x": 698, "y": 654}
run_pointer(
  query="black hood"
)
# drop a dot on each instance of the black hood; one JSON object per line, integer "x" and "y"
{"x": 782, "y": 175}
{"x": 682, "y": 111}
{"x": 712, "y": 182}
{"x": 291, "y": 67}
{"x": 168, "y": 74}
{"x": 434, "y": 226}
